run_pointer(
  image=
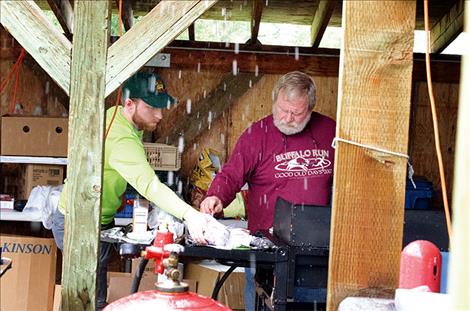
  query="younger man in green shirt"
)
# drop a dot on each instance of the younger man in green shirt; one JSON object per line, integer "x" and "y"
{"x": 125, "y": 161}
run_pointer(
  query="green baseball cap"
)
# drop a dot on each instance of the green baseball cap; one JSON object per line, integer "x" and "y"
{"x": 148, "y": 87}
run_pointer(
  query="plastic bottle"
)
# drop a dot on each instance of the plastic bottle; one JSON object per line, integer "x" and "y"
{"x": 140, "y": 215}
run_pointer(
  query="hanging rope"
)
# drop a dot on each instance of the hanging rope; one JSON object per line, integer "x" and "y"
{"x": 17, "y": 83}
{"x": 15, "y": 69}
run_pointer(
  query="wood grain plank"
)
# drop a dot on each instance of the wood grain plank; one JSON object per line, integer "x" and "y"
{"x": 158, "y": 28}
{"x": 85, "y": 154}
{"x": 25, "y": 21}
{"x": 369, "y": 187}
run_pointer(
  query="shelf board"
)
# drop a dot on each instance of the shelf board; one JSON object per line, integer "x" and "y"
{"x": 8, "y": 215}
{"x": 33, "y": 160}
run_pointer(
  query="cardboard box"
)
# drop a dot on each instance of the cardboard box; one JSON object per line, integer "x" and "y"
{"x": 111, "y": 274}
{"x": 149, "y": 268}
{"x": 57, "y": 298}
{"x": 39, "y": 136}
{"x": 208, "y": 272}
{"x": 29, "y": 284}
{"x": 7, "y": 202}
{"x": 32, "y": 175}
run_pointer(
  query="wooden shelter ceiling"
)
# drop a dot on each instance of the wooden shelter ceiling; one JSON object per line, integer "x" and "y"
{"x": 445, "y": 16}
{"x": 300, "y": 12}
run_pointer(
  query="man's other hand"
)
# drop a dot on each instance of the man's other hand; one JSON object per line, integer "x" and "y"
{"x": 196, "y": 223}
{"x": 211, "y": 205}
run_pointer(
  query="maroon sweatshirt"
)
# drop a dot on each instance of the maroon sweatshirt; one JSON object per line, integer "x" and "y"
{"x": 298, "y": 168}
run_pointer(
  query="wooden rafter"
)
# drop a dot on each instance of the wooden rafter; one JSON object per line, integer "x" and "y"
{"x": 191, "y": 32}
{"x": 137, "y": 46}
{"x": 256, "y": 13}
{"x": 85, "y": 154}
{"x": 127, "y": 14}
{"x": 369, "y": 185}
{"x": 448, "y": 28}
{"x": 279, "y": 60}
{"x": 320, "y": 20}
{"x": 26, "y": 22}
{"x": 210, "y": 108}
{"x": 64, "y": 13}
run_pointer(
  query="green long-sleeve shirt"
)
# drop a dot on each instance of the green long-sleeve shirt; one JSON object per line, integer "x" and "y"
{"x": 125, "y": 161}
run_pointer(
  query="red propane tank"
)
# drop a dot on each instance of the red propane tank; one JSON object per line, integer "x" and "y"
{"x": 158, "y": 301}
{"x": 420, "y": 265}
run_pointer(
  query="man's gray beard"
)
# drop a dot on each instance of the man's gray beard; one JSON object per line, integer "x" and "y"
{"x": 289, "y": 130}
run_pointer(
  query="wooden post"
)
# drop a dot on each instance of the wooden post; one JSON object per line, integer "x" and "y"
{"x": 85, "y": 153}
{"x": 369, "y": 186}
{"x": 459, "y": 278}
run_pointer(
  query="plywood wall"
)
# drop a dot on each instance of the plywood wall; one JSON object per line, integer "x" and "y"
{"x": 257, "y": 103}
{"x": 250, "y": 107}
{"x": 422, "y": 148}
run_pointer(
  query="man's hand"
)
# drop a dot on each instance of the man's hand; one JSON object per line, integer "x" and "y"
{"x": 211, "y": 205}
{"x": 196, "y": 223}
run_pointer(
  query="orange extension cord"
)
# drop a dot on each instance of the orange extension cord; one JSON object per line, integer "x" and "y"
{"x": 118, "y": 99}
{"x": 434, "y": 119}
{"x": 16, "y": 68}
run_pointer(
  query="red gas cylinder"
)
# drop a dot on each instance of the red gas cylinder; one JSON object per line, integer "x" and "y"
{"x": 155, "y": 300}
{"x": 420, "y": 265}
{"x": 170, "y": 294}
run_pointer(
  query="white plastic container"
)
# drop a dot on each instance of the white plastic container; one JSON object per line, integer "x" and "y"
{"x": 140, "y": 215}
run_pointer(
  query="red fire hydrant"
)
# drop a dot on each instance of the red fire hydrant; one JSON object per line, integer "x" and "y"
{"x": 420, "y": 265}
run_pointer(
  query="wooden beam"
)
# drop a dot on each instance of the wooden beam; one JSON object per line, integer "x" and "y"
{"x": 85, "y": 154}
{"x": 369, "y": 185}
{"x": 127, "y": 14}
{"x": 158, "y": 28}
{"x": 320, "y": 20}
{"x": 459, "y": 270}
{"x": 26, "y": 22}
{"x": 279, "y": 60}
{"x": 251, "y": 61}
{"x": 256, "y": 13}
{"x": 447, "y": 28}
{"x": 212, "y": 107}
{"x": 191, "y": 32}
{"x": 445, "y": 70}
{"x": 64, "y": 13}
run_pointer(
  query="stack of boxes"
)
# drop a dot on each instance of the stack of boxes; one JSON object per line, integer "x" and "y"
{"x": 31, "y": 137}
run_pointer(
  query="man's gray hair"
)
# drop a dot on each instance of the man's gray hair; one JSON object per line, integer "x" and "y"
{"x": 296, "y": 84}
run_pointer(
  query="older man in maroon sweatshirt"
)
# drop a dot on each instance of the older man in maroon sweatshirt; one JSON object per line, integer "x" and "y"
{"x": 287, "y": 154}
